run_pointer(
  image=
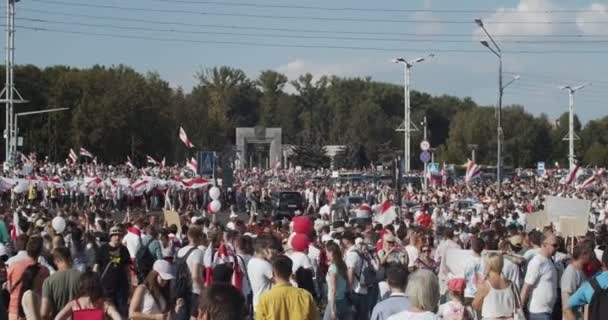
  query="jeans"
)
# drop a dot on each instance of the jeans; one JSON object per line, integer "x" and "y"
{"x": 539, "y": 316}
{"x": 361, "y": 304}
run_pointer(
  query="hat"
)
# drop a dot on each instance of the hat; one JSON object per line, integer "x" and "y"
{"x": 115, "y": 230}
{"x": 326, "y": 238}
{"x": 40, "y": 223}
{"x": 358, "y": 241}
{"x": 457, "y": 285}
{"x": 164, "y": 269}
{"x": 516, "y": 241}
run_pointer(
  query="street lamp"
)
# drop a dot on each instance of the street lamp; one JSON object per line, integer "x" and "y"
{"x": 29, "y": 113}
{"x": 571, "y": 90}
{"x": 495, "y": 49}
{"x": 407, "y": 66}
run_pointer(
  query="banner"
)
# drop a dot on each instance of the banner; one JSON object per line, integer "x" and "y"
{"x": 573, "y": 227}
{"x": 172, "y": 218}
{"x": 556, "y": 207}
{"x": 537, "y": 220}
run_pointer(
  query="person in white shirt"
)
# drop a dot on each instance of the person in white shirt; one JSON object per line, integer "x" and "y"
{"x": 259, "y": 269}
{"x": 195, "y": 265}
{"x": 540, "y": 282}
{"x": 355, "y": 264}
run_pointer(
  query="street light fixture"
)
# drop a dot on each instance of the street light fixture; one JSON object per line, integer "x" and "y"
{"x": 407, "y": 65}
{"x": 571, "y": 90}
{"x": 29, "y": 113}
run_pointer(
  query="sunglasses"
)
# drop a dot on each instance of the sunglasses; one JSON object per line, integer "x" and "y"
{"x": 554, "y": 245}
{"x": 426, "y": 250}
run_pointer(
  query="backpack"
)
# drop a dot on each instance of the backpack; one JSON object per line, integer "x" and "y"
{"x": 183, "y": 278}
{"x": 367, "y": 276}
{"x": 598, "y": 307}
{"x": 144, "y": 261}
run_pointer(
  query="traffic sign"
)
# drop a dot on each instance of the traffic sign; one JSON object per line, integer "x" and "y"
{"x": 206, "y": 163}
{"x": 540, "y": 168}
{"x": 432, "y": 167}
{"x": 425, "y": 156}
{"x": 425, "y": 145}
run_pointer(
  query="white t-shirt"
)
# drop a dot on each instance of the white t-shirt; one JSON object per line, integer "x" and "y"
{"x": 427, "y": 315}
{"x": 412, "y": 254}
{"x": 541, "y": 275}
{"x": 473, "y": 275}
{"x": 531, "y": 253}
{"x": 132, "y": 242}
{"x": 243, "y": 261}
{"x": 195, "y": 257}
{"x": 512, "y": 273}
{"x": 355, "y": 262}
{"x": 299, "y": 260}
{"x": 260, "y": 276}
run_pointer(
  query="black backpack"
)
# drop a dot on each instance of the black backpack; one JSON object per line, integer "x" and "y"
{"x": 598, "y": 307}
{"x": 367, "y": 277}
{"x": 183, "y": 278}
{"x": 144, "y": 261}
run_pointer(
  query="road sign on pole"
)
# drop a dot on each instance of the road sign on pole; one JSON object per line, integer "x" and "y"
{"x": 425, "y": 145}
{"x": 425, "y": 156}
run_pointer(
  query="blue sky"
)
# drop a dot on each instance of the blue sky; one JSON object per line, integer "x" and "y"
{"x": 85, "y": 32}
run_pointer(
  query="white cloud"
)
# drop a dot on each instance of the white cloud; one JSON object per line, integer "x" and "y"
{"x": 583, "y": 19}
{"x": 526, "y": 11}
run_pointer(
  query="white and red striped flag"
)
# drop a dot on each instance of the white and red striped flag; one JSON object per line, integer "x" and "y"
{"x": 473, "y": 171}
{"x": 130, "y": 164}
{"x": 73, "y": 156}
{"x": 444, "y": 175}
{"x": 24, "y": 158}
{"x": 591, "y": 180}
{"x": 192, "y": 164}
{"x": 184, "y": 137}
{"x": 85, "y": 153}
{"x": 569, "y": 179}
{"x": 387, "y": 213}
{"x": 151, "y": 160}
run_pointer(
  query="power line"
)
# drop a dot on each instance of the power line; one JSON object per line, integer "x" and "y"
{"x": 282, "y": 45}
{"x": 122, "y": 27}
{"x": 283, "y": 6}
{"x": 323, "y": 31}
{"x": 283, "y": 17}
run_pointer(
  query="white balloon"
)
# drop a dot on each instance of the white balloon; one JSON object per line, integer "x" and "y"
{"x": 58, "y": 224}
{"x": 215, "y": 206}
{"x": 214, "y": 193}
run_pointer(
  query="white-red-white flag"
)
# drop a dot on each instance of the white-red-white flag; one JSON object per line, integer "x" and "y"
{"x": 151, "y": 160}
{"x": 130, "y": 164}
{"x": 192, "y": 164}
{"x": 473, "y": 171}
{"x": 85, "y": 153}
{"x": 184, "y": 137}
{"x": 571, "y": 176}
{"x": 387, "y": 213}
{"x": 73, "y": 156}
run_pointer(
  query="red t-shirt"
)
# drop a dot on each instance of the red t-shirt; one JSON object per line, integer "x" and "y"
{"x": 424, "y": 220}
{"x": 14, "y": 275}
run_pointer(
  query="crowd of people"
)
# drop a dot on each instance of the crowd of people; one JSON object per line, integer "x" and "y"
{"x": 72, "y": 257}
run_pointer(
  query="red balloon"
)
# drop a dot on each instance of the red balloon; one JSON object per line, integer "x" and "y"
{"x": 300, "y": 242}
{"x": 302, "y": 225}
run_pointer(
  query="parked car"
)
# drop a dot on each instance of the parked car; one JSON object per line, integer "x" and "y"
{"x": 286, "y": 203}
{"x": 343, "y": 207}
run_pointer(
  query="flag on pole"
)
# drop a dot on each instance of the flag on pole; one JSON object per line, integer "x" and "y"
{"x": 130, "y": 164}
{"x": 192, "y": 164}
{"x": 569, "y": 179}
{"x": 591, "y": 180}
{"x": 184, "y": 137}
{"x": 386, "y": 214}
{"x": 473, "y": 171}
{"x": 162, "y": 163}
{"x": 85, "y": 153}
{"x": 24, "y": 158}
{"x": 444, "y": 175}
{"x": 73, "y": 156}
{"x": 151, "y": 160}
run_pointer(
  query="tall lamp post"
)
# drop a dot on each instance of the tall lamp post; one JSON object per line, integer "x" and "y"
{"x": 495, "y": 49}
{"x": 571, "y": 90}
{"x": 407, "y": 128}
{"x": 29, "y": 113}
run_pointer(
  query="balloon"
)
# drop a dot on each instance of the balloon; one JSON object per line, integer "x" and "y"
{"x": 58, "y": 224}
{"x": 214, "y": 193}
{"x": 215, "y": 206}
{"x": 302, "y": 225}
{"x": 300, "y": 242}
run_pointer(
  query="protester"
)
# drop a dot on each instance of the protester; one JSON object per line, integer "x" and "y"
{"x": 338, "y": 306}
{"x": 29, "y": 296}
{"x": 425, "y": 261}
{"x": 356, "y": 264}
{"x": 152, "y": 300}
{"x": 90, "y": 304}
{"x": 189, "y": 286}
{"x": 423, "y": 294}
{"x": 113, "y": 266}
{"x": 455, "y": 309}
{"x": 284, "y": 302}
{"x": 221, "y": 301}
{"x": 259, "y": 269}
{"x": 497, "y": 297}
{"x": 396, "y": 302}
{"x": 540, "y": 283}
{"x": 573, "y": 277}
{"x": 61, "y": 287}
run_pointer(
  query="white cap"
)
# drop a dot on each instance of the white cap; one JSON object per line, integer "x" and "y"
{"x": 164, "y": 269}
{"x": 358, "y": 241}
{"x": 326, "y": 238}
{"x": 230, "y": 226}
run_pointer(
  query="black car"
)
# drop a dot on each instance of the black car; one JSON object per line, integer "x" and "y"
{"x": 286, "y": 203}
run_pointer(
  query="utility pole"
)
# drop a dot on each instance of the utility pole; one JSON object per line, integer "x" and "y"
{"x": 473, "y": 148}
{"x": 571, "y": 135}
{"x": 9, "y": 91}
{"x": 425, "y": 138}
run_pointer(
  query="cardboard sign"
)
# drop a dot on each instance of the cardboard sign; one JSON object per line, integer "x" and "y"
{"x": 537, "y": 220}
{"x": 565, "y": 207}
{"x": 572, "y": 226}
{"x": 172, "y": 218}
{"x": 456, "y": 260}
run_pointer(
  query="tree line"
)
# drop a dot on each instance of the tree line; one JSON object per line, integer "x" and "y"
{"x": 116, "y": 111}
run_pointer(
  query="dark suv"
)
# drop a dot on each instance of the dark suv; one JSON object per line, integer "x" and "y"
{"x": 286, "y": 203}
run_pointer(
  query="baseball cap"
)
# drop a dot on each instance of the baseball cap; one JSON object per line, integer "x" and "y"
{"x": 456, "y": 285}
{"x": 115, "y": 230}
{"x": 164, "y": 269}
{"x": 389, "y": 237}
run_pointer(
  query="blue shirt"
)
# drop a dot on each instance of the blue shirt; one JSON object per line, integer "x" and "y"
{"x": 394, "y": 304}
{"x": 583, "y": 295}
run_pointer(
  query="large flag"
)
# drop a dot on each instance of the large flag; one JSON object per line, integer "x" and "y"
{"x": 184, "y": 137}
{"x": 151, "y": 160}
{"x": 386, "y": 214}
{"x": 73, "y": 156}
{"x": 85, "y": 153}
{"x": 192, "y": 164}
{"x": 591, "y": 180}
{"x": 473, "y": 171}
{"x": 569, "y": 179}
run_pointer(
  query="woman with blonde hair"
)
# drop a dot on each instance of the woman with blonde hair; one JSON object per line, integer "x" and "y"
{"x": 423, "y": 293}
{"x": 497, "y": 298}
